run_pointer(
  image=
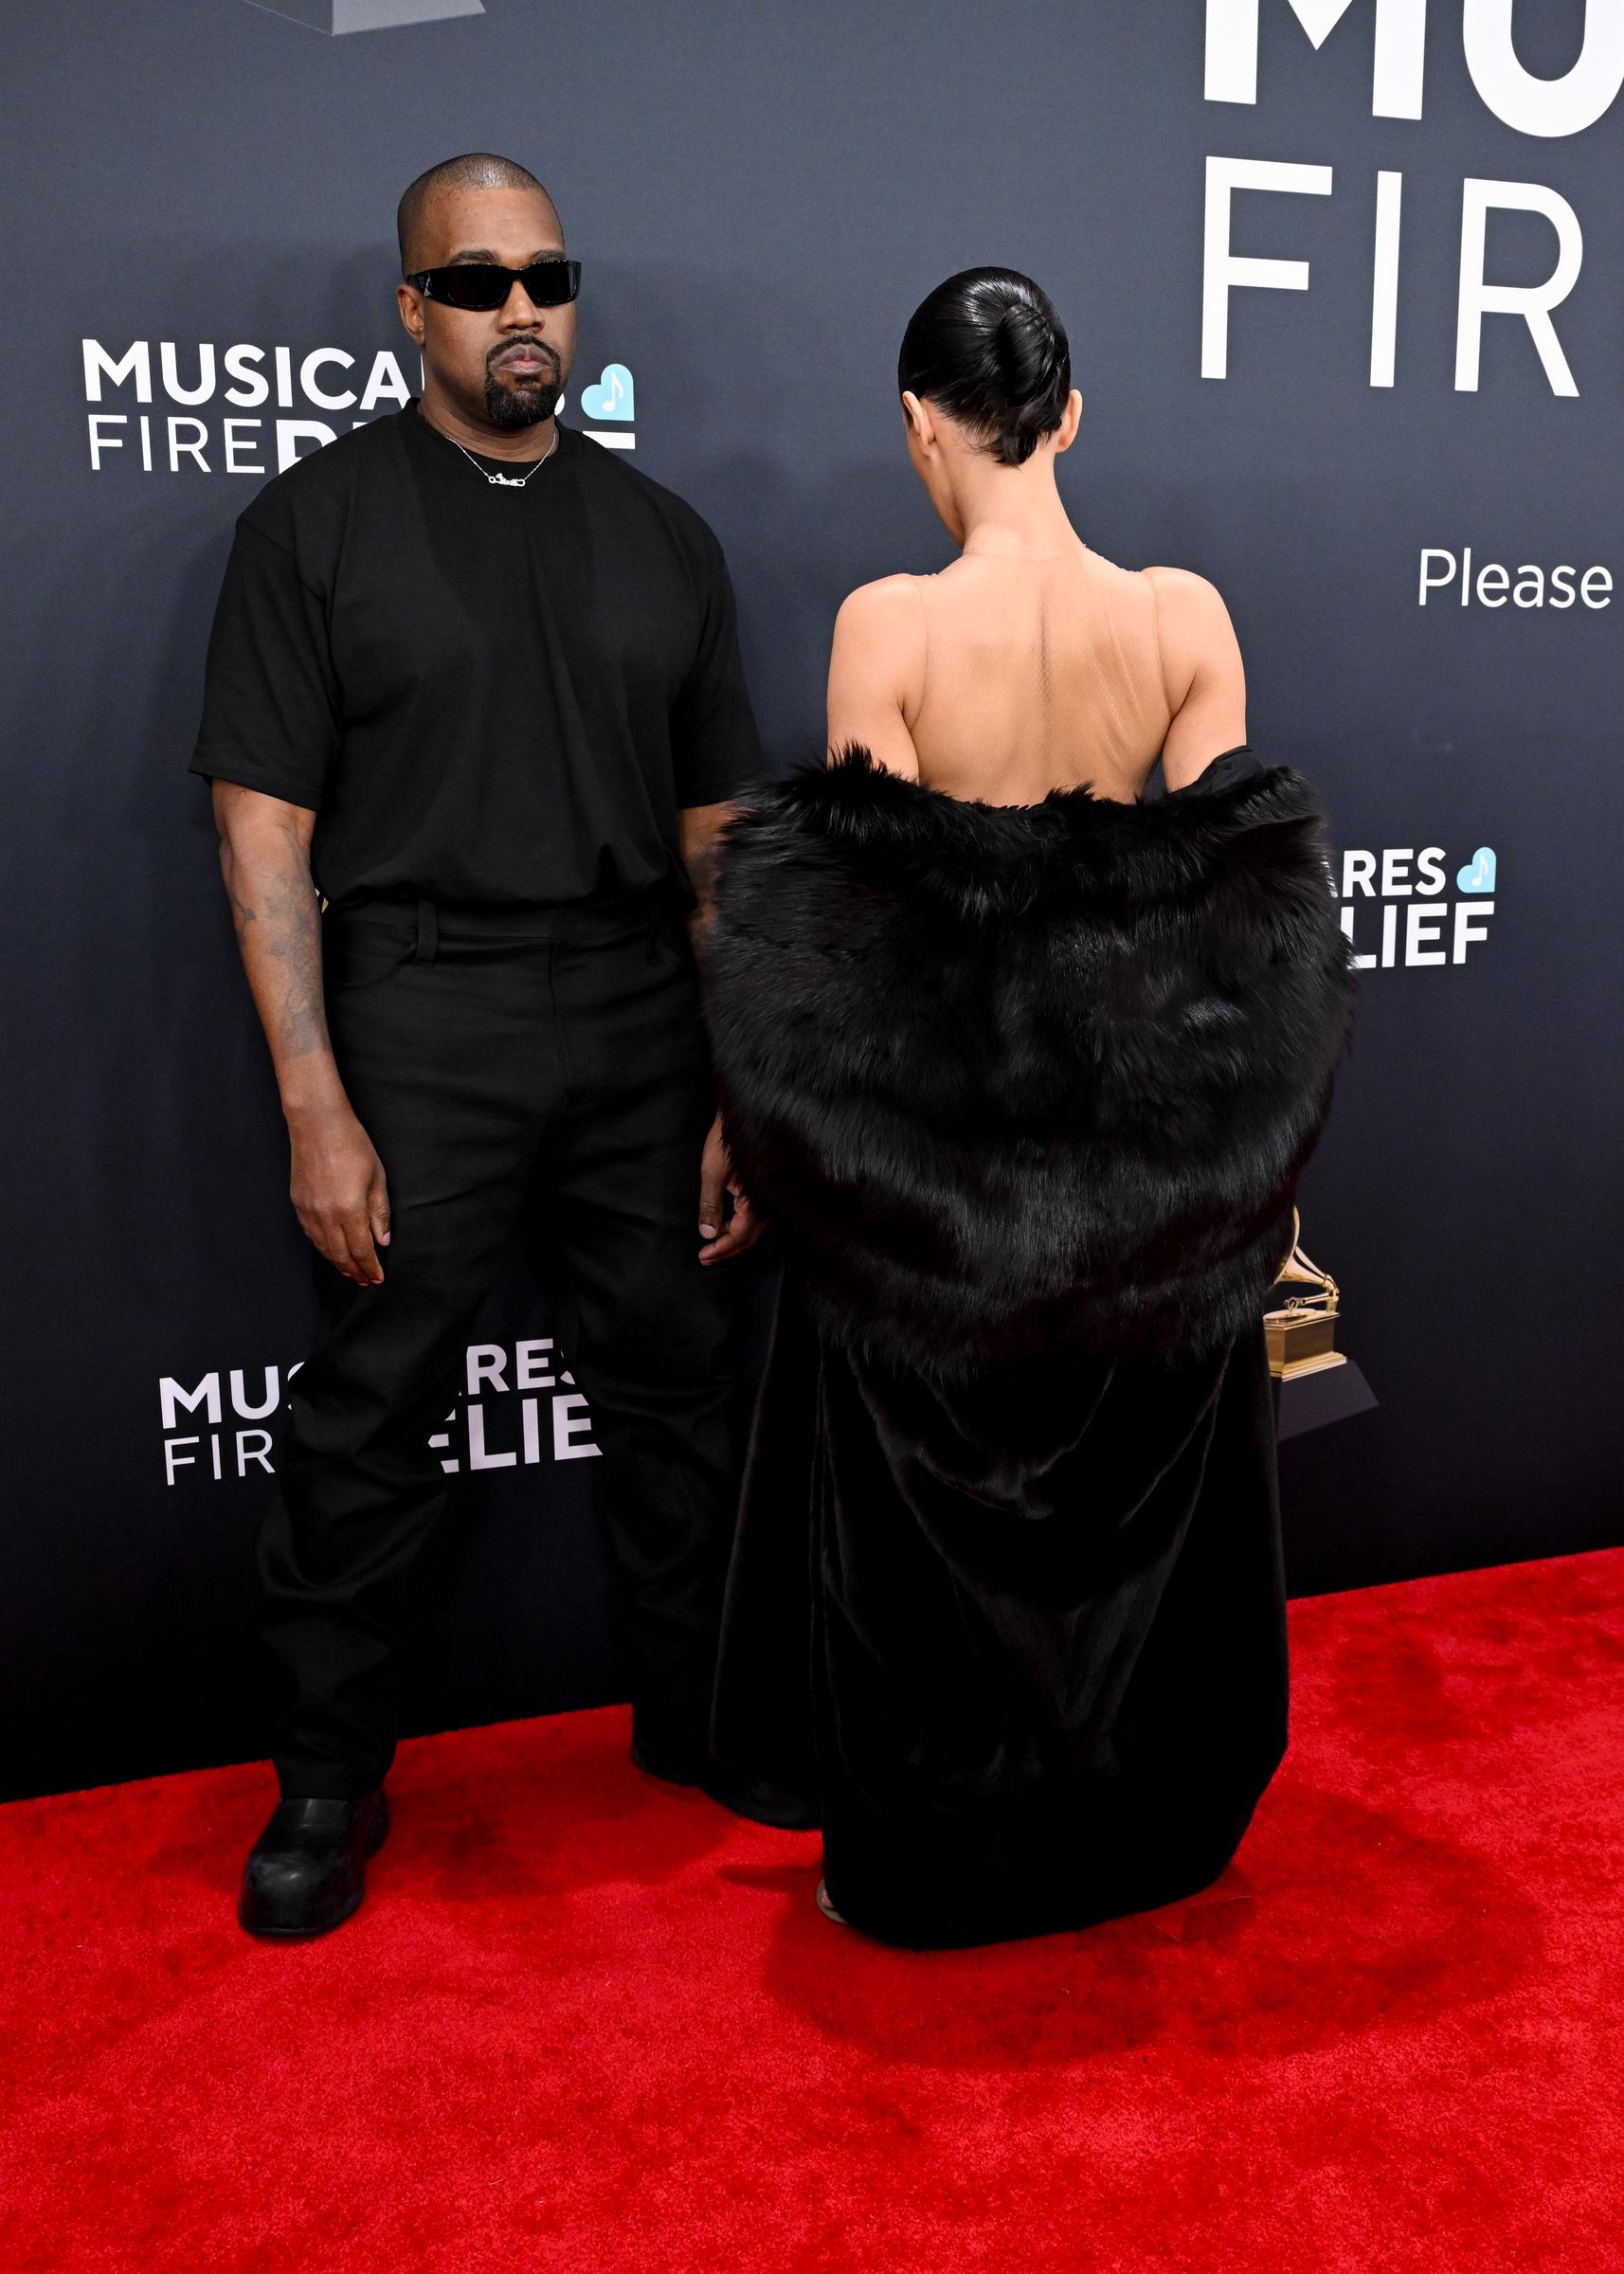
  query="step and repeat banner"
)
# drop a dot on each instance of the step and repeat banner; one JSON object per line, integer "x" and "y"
{"x": 1344, "y": 283}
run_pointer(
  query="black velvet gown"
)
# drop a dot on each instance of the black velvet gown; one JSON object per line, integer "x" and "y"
{"x": 1008, "y": 1597}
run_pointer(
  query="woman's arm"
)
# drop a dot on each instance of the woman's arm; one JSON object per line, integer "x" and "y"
{"x": 1201, "y": 674}
{"x": 876, "y": 674}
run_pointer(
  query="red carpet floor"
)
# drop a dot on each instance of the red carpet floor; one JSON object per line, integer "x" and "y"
{"x": 584, "y": 2025}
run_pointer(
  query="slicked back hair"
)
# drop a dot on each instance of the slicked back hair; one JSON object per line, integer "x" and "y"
{"x": 475, "y": 169}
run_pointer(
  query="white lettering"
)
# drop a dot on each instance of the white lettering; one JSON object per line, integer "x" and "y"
{"x": 1530, "y": 582}
{"x": 1491, "y": 585}
{"x": 566, "y": 1428}
{"x": 99, "y": 365}
{"x": 387, "y": 383}
{"x": 179, "y": 448}
{"x": 1421, "y": 927}
{"x": 310, "y": 365}
{"x": 1224, "y": 271}
{"x": 254, "y": 1445}
{"x": 1431, "y": 582}
{"x": 478, "y": 1457}
{"x": 173, "y": 1400}
{"x": 240, "y": 1405}
{"x": 1545, "y": 106}
{"x": 1400, "y": 49}
{"x": 173, "y": 387}
{"x": 1361, "y": 962}
{"x": 175, "y": 1458}
{"x": 233, "y": 464}
{"x": 485, "y": 1364}
{"x": 1464, "y": 934}
{"x": 531, "y": 1371}
{"x": 1384, "y": 291}
{"x": 253, "y": 387}
{"x": 100, "y": 441}
{"x": 290, "y": 432}
{"x": 1532, "y": 302}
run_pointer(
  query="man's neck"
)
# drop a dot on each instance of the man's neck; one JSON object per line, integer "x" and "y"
{"x": 522, "y": 444}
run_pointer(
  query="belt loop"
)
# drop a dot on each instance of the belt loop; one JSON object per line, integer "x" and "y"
{"x": 427, "y": 932}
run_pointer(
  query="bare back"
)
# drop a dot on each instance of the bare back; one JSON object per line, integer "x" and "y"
{"x": 1039, "y": 674}
{"x": 1006, "y": 676}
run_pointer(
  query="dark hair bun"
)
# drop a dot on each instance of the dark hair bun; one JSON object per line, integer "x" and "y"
{"x": 988, "y": 349}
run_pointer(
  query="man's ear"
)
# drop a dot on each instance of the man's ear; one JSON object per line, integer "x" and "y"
{"x": 410, "y": 301}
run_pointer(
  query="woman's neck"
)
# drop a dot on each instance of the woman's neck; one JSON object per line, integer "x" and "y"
{"x": 1015, "y": 514}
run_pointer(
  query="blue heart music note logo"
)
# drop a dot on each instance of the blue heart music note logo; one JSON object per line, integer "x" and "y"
{"x": 1478, "y": 874}
{"x": 612, "y": 397}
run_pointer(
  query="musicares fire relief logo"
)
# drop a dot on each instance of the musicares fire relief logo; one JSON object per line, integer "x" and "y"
{"x": 520, "y": 1407}
{"x": 1396, "y": 910}
{"x": 165, "y": 409}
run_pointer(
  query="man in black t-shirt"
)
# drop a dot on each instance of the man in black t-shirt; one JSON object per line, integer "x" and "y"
{"x": 473, "y": 709}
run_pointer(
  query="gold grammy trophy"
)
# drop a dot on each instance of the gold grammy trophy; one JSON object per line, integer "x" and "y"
{"x": 1301, "y": 1333}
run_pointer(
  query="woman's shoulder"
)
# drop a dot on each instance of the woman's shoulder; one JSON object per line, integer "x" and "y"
{"x": 1183, "y": 591}
{"x": 886, "y": 601}
{"x": 884, "y": 618}
{"x": 1189, "y": 607}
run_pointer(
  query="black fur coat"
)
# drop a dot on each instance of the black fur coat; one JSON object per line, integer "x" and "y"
{"x": 1012, "y": 1077}
{"x": 1025, "y": 1092}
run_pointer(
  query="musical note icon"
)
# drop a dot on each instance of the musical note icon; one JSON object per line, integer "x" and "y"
{"x": 612, "y": 397}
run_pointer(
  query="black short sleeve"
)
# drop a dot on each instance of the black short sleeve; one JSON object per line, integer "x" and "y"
{"x": 716, "y": 746}
{"x": 270, "y": 707}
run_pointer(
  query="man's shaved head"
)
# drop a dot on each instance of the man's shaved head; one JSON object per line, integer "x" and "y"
{"x": 478, "y": 170}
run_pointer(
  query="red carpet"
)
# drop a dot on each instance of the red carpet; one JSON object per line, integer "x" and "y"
{"x": 587, "y": 2026}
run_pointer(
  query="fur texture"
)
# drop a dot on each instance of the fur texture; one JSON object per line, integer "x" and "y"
{"x": 1013, "y": 1077}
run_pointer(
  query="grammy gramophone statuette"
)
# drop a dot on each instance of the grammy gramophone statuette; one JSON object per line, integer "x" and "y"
{"x": 1301, "y": 1333}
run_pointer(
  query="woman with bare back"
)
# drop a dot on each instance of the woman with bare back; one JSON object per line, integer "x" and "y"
{"x": 1022, "y": 1052}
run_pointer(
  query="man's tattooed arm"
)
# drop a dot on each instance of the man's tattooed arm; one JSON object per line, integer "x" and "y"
{"x": 264, "y": 857}
{"x": 338, "y": 1181}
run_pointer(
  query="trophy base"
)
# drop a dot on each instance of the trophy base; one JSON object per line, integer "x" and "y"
{"x": 1290, "y": 1369}
{"x": 1326, "y": 1394}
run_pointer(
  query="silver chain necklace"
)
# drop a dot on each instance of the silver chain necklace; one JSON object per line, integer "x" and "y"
{"x": 505, "y": 481}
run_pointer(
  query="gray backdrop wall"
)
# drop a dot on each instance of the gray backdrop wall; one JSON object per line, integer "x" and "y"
{"x": 200, "y": 276}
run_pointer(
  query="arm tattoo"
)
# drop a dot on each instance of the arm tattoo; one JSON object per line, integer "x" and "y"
{"x": 293, "y": 936}
{"x": 281, "y": 952}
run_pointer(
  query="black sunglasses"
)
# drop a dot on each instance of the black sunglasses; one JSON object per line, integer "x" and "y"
{"x": 482, "y": 284}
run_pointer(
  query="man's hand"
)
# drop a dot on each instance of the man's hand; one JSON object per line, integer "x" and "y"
{"x": 339, "y": 1194}
{"x": 742, "y": 1229}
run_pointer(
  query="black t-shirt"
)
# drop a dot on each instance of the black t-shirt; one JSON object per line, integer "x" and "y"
{"x": 487, "y": 695}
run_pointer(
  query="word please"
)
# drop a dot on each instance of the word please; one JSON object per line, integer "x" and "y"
{"x": 1527, "y": 585}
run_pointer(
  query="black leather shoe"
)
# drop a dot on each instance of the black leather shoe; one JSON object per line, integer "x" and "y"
{"x": 307, "y": 1870}
{"x": 756, "y": 1798}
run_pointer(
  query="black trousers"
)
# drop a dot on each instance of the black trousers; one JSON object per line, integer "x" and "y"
{"x": 540, "y": 1075}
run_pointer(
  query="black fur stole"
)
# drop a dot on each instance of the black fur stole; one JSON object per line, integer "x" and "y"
{"x": 1012, "y": 1077}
